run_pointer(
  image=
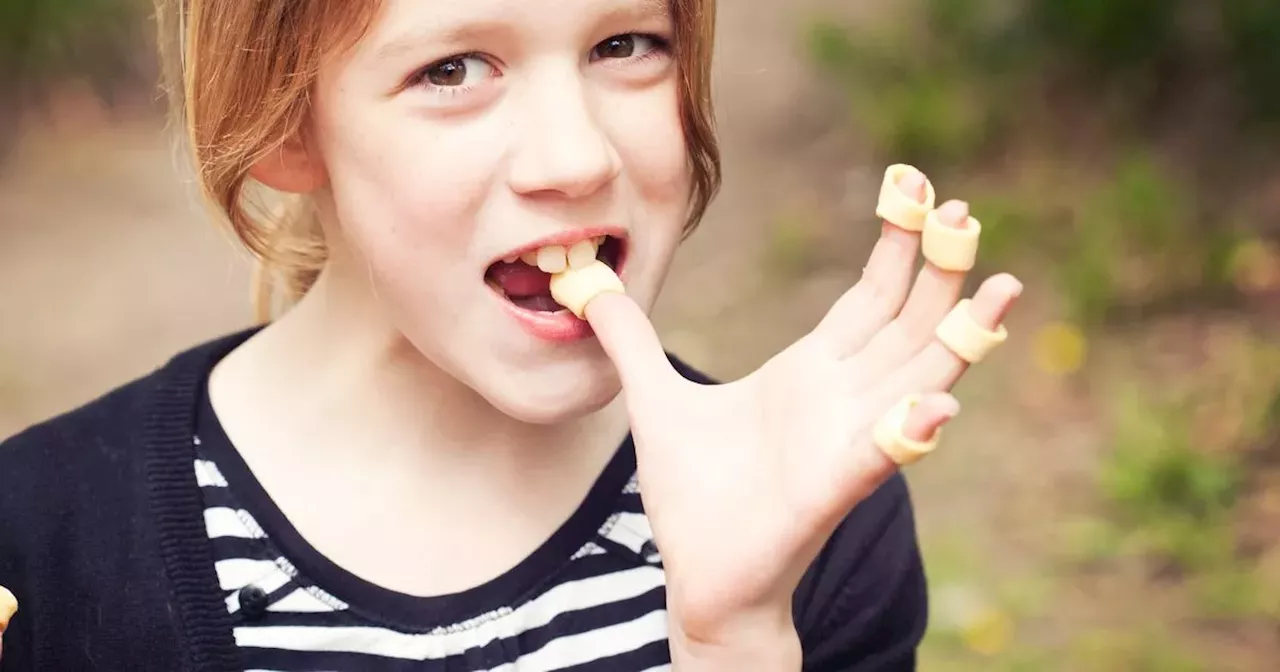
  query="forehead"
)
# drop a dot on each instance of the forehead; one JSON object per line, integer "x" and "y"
{"x": 411, "y": 25}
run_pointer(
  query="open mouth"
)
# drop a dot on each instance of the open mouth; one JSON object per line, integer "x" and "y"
{"x": 525, "y": 280}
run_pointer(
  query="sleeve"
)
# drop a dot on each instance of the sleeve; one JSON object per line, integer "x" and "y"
{"x": 863, "y": 604}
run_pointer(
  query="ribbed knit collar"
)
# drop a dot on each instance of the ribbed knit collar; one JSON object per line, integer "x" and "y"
{"x": 204, "y": 624}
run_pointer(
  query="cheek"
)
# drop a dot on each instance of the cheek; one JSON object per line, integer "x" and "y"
{"x": 648, "y": 135}
{"x": 405, "y": 190}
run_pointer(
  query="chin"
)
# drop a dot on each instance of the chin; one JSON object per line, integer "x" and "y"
{"x": 554, "y": 395}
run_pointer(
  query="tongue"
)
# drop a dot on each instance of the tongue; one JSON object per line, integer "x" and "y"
{"x": 524, "y": 285}
{"x": 542, "y": 303}
{"x": 520, "y": 280}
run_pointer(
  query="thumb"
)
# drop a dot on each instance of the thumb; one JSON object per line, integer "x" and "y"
{"x": 631, "y": 342}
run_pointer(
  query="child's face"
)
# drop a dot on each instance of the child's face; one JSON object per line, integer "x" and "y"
{"x": 459, "y": 133}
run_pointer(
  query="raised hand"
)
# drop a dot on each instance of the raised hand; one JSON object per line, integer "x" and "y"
{"x": 744, "y": 482}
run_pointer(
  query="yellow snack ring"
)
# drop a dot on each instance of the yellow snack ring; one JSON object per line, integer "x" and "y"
{"x": 8, "y": 607}
{"x": 899, "y": 209}
{"x": 576, "y": 287}
{"x": 889, "y": 437}
{"x": 966, "y": 338}
{"x": 949, "y": 248}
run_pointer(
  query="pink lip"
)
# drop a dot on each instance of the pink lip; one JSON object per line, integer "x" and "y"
{"x": 567, "y": 239}
{"x": 561, "y": 326}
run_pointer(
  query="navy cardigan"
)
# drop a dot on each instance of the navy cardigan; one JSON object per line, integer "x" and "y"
{"x": 102, "y": 539}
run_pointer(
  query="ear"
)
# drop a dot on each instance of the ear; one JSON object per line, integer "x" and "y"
{"x": 289, "y": 168}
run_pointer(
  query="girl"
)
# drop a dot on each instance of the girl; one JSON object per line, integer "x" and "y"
{"x": 425, "y": 464}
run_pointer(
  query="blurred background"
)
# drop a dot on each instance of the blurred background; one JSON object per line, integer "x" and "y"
{"x": 1110, "y": 499}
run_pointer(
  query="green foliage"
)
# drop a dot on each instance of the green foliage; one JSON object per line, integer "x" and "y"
{"x": 1232, "y": 590}
{"x": 1105, "y": 36}
{"x": 792, "y": 249}
{"x": 1251, "y": 33}
{"x": 920, "y": 104}
{"x": 1007, "y": 53}
{"x": 1128, "y": 233}
{"x": 43, "y": 40}
{"x": 1004, "y": 101}
{"x": 1149, "y": 649}
{"x": 1177, "y": 497}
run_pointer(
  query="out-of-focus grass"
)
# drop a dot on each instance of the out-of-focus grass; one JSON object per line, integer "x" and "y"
{"x": 48, "y": 43}
{"x": 1053, "y": 120}
{"x": 43, "y": 40}
{"x": 792, "y": 248}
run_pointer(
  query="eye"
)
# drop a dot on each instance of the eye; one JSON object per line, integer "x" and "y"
{"x": 630, "y": 45}
{"x": 456, "y": 71}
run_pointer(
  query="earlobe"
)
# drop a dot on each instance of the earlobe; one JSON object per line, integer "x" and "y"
{"x": 288, "y": 168}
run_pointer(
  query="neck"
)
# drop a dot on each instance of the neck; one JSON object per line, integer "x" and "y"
{"x": 335, "y": 376}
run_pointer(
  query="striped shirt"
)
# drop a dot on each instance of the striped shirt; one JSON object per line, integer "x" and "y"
{"x": 592, "y": 598}
{"x": 134, "y": 547}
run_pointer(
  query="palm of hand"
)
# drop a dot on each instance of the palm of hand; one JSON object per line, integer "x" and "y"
{"x": 739, "y": 478}
{"x": 744, "y": 482}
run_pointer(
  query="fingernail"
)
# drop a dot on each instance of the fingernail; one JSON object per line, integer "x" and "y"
{"x": 912, "y": 185}
{"x": 954, "y": 214}
{"x": 1015, "y": 285}
{"x": 950, "y": 406}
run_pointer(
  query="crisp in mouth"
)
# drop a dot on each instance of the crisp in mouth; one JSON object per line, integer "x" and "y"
{"x": 525, "y": 280}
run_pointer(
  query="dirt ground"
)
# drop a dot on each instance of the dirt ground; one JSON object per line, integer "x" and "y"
{"x": 109, "y": 266}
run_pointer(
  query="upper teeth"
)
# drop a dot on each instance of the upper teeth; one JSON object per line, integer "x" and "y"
{"x": 556, "y": 258}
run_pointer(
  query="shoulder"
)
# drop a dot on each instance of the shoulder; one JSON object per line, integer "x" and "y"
{"x": 74, "y": 482}
{"x": 47, "y": 458}
{"x": 79, "y": 529}
{"x": 70, "y": 496}
{"x": 107, "y": 429}
{"x": 79, "y": 465}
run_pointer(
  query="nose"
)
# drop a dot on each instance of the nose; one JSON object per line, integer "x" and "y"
{"x": 562, "y": 149}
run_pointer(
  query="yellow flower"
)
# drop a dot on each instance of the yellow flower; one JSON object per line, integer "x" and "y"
{"x": 989, "y": 632}
{"x": 1255, "y": 266}
{"x": 1059, "y": 348}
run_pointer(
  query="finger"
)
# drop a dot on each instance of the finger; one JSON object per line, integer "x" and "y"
{"x": 936, "y": 367}
{"x": 871, "y": 464}
{"x": 934, "y": 293}
{"x": 927, "y": 417}
{"x": 878, "y": 295}
{"x": 631, "y": 342}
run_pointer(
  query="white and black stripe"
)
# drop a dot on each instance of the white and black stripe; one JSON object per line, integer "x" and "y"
{"x": 603, "y": 609}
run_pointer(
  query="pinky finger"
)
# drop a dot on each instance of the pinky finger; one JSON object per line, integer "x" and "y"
{"x": 910, "y": 430}
{"x": 905, "y": 434}
{"x": 929, "y": 415}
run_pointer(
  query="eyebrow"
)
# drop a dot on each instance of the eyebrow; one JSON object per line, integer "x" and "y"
{"x": 411, "y": 41}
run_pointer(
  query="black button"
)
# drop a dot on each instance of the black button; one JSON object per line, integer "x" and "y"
{"x": 648, "y": 550}
{"x": 253, "y": 602}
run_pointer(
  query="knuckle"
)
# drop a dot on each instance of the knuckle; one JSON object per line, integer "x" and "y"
{"x": 883, "y": 296}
